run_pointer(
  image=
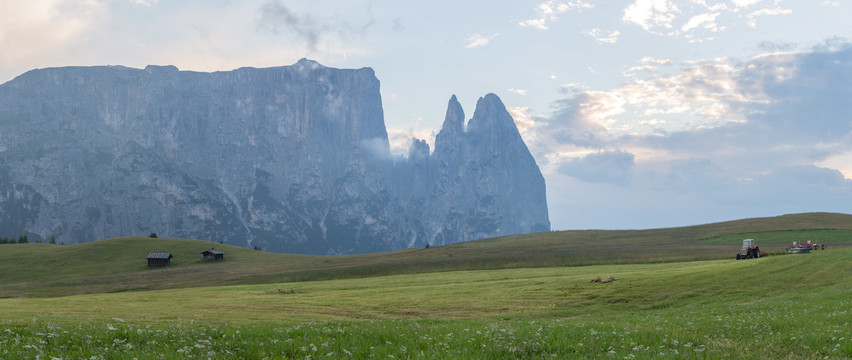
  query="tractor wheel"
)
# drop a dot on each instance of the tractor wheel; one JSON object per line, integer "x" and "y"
{"x": 757, "y": 252}
{"x": 738, "y": 257}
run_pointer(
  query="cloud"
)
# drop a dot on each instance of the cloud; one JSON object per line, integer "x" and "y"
{"x": 705, "y": 94}
{"x": 377, "y": 147}
{"x": 524, "y": 120}
{"x": 745, "y": 3}
{"x": 770, "y": 46}
{"x": 810, "y": 98}
{"x": 583, "y": 114}
{"x": 477, "y": 40}
{"x": 522, "y": 92}
{"x": 696, "y": 17}
{"x": 548, "y": 11}
{"x": 695, "y": 192}
{"x": 752, "y": 17}
{"x": 649, "y": 14}
{"x": 648, "y": 65}
{"x": 400, "y": 140}
{"x": 707, "y": 20}
{"x": 277, "y": 19}
{"x": 728, "y": 138}
{"x": 602, "y": 166}
{"x": 612, "y": 38}
{"x": 31, "y": 30}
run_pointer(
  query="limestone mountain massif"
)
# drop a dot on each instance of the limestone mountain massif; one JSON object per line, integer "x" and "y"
{"x": 291, "y": 159}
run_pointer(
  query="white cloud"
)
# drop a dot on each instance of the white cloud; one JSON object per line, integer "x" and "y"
{"x": 660, "y": 61}
{"x": 519, "y": 91}
{"x": 706, "y": 19}
{"x": 721, "y": 135}
{"x": 595, "y": 33}
{"x": 540, "y": 23}
{"x": 400, "y": 140}
{"x": 705, "y": 94}
{"x": 752, "y": 17}
{"x": 548, "y": 11}
{"x": 32, "y": 31}
{"x": 477, "y": 40}
{"x": 696, "y": 16}
{"x": 840, "y": 161}
{"x": 650, "y": 14}
{"x": 745, "y": 3}
{"x": 524, "y": 120}
{"x": 648, "y": 65}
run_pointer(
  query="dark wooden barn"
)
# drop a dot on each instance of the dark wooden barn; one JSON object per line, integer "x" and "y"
{"x": 156, "y": 259}
{"x": 213, "y": 254}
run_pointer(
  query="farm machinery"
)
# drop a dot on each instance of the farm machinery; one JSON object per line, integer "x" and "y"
{"x": 804, "y": 248}
{"x": 749, "y": 250}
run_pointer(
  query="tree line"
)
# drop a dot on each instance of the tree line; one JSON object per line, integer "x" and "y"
{"x": 22, "y": 240}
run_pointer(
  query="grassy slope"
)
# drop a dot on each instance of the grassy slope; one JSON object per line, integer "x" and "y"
{"x": 526, "y": 293}
{"x": 116, "y": 265}
{"x": 36, "y": 262}
{"x": 794, "y": 306}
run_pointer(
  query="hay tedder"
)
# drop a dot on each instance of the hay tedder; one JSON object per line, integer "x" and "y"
{"x": 749, "y": 250}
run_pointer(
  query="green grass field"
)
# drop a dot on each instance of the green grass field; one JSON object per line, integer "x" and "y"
{"x": 792, "y": 306}
{"x": 117, "y": 265}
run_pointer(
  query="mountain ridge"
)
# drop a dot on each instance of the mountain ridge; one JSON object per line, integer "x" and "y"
{"x": 292, "y": 158}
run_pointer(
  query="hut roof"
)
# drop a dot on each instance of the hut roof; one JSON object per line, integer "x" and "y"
{"x": 159, "y": 255}
{"x": 213, "y": 251}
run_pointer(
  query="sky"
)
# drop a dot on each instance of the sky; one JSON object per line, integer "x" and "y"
{"x": 640, "y": 113}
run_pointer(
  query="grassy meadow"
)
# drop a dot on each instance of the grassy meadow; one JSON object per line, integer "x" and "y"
{"x": 790, "y": 306}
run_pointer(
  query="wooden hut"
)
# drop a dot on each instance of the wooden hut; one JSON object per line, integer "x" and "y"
{"x": 213, "y": 255}
{"x": 157, "y": 259}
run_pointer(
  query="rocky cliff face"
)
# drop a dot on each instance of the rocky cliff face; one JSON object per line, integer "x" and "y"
{"x": 479, "y": 182}
{"x": 292, "y": 159}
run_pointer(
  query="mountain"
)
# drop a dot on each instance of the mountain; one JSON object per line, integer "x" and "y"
{"x": 291, "y": 158}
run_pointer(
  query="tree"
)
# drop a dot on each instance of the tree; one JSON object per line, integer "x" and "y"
{"x": 53, "y": 240}
{"x": 22, "y": 239}
{"x": 153, "y": 235}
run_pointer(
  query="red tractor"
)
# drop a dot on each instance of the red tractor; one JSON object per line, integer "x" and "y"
{"x": 749, "y": 250}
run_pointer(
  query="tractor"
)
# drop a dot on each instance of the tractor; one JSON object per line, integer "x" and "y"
{"x": 749, "y": 250}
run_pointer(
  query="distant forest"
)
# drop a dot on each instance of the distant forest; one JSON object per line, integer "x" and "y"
{"x": 22, "y": 240}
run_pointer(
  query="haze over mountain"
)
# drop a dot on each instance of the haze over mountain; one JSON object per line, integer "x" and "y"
{"x": 292, "y": 158}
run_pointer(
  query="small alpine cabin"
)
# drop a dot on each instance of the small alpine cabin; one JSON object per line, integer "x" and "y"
{"x": 213, "y": 255}
{"x": 156, "y": 259}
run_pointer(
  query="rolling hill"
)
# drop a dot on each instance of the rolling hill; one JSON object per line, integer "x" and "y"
{"x": 780, "y": 307}
{"x": 489, "y": 299}
{"x": 117, "y": 265}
